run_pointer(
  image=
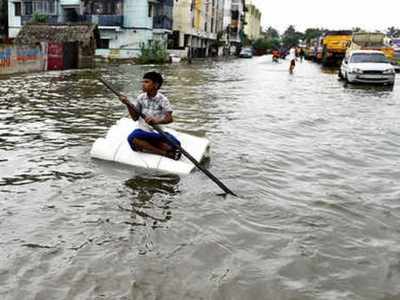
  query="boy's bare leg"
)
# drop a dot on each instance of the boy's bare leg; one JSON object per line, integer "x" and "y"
{"x": 144, "y": 146}
{"x": 164, "y": 146}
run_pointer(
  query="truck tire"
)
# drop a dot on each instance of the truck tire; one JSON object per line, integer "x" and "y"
{"x": 325, "y": 61}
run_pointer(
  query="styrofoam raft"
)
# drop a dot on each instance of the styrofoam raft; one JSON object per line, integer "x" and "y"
{"x": 115, "y": 147}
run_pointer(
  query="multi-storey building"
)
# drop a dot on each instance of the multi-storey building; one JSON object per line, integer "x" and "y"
{"x": 253, "y": 22}
{"x": 234, "y": 20}
{"x": 197, "y": 25}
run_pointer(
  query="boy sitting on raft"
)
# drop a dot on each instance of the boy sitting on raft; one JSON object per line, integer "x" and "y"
{"x": 157, "y": 110}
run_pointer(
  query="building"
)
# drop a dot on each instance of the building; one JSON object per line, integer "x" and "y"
{"x": 66, "y": 46}
{"x": 197, "y": 26}
{"x": 139, "y": 22}
{"x": 234, "y": 20}
{"x": 3, "y": 20}
{"x": 124, "y": 24}
{"x": 252, "y": 29}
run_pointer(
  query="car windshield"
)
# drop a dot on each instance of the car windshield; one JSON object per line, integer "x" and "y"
{"x": 368, "y": 58}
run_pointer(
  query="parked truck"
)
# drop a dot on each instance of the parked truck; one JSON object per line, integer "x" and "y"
{"x": 334, "y": 45}
{"x": 372, "y": 41}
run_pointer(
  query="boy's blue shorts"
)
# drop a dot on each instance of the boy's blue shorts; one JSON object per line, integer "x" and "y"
{"x": 151, "y": 137}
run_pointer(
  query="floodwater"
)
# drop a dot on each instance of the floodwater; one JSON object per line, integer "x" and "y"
{"x": 315, "y": 162}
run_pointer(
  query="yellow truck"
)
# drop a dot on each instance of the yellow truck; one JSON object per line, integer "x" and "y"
{"x": 372, "y": 41}
{"x": 334, "y": 46}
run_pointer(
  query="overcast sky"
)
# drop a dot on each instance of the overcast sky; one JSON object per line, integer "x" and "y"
{"x": 334, "y": 14}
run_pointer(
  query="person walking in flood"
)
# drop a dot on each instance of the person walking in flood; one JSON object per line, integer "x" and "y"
{"x": 157, "y": 110}
{"x": 292, "y": 58}
{"x": 301, "y": 54}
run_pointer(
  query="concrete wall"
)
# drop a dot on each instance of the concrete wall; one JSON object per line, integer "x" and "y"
{"x": 20, "y": 59}
{"x": 136, "y": 14}
{"x": 182, "y": 17}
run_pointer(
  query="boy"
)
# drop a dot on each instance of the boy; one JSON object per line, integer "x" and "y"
{"x": 157, "y": 110}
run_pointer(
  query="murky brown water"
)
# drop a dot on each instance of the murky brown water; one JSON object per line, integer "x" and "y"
{"x": 316, "y": 163}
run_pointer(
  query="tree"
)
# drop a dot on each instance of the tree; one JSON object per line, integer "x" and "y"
{"x": 313, "y": 33}
{"x": 291, "y": 37}
{"x": 393, "y": 32}
{"x": 271, "y": 33}
{"x": 358, "y": 29}
{"x": 267, "y": 43}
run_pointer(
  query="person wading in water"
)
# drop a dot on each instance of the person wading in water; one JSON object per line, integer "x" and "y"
{"x": 292, "y": 57}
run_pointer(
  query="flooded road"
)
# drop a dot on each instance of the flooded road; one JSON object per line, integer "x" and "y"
{"x": 315, "y": 162}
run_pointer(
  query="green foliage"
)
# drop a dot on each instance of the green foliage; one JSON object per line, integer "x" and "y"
{"x": 153, "y": 53}
{"x": 358, "y": 29}
{"x": 267, "y": 43}
{"x": 272, "y": 33}
{"x": 313, "y": 33}
{"x": 291, "y": 37}
{"x": 39, "y": 18}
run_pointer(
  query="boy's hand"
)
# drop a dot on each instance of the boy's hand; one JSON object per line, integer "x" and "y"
{"x": 124, "y": 99}
{"x": 151, "y": 120}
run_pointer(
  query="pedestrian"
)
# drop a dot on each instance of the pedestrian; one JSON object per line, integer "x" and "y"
{"x": 292, "y": 58}
{"x": 301, "y": 54}
{"x": 157, "y": 111}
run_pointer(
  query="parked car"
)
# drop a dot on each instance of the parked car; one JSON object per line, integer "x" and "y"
{"x": 367, "y": 66}
{"x": 246, "y": 53}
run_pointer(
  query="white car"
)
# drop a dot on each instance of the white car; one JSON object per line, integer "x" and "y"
{"x": 246, "y": 53}
{"x": 367, "y": 66}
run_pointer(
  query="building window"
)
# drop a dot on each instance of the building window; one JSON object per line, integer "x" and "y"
{"x": 28, "y": 8}
{"x": 104, "y": 44}
{"x": 52, "y": 7}
{"x": 150, "y": 10}
{"x": 17, "y": 9}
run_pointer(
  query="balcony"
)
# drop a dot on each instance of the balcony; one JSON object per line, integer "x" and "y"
{"x": 162, "y": 22}
{"x": 50, "y": 19}
{"x": 104, "y": 20}
{"x": 70, "y": 2}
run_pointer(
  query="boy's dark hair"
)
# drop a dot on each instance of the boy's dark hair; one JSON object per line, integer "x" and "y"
{"x": 155, "y": 77}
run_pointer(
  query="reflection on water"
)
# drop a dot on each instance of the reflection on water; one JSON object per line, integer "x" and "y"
{"x": 151, "y": 199}
{"x": 315, "y": 162}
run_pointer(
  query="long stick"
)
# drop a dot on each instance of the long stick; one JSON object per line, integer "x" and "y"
{"x": 170, "y": 141}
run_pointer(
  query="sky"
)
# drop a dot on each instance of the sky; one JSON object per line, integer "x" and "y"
{"x": 334, "y": 14}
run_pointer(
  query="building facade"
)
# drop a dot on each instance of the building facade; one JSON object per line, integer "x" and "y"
{"x": 252, "y": 29}
{"x": 234, "y": 20}
{"x": 124, "y": 24}
{"x": 197, "y": 27}
{"x": 207, "y": 27}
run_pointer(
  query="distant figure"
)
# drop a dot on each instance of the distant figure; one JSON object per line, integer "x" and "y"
{"x": 301, "y": 54}
{"x": 275, "y": 56}
{"x": 292, "y": 58}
